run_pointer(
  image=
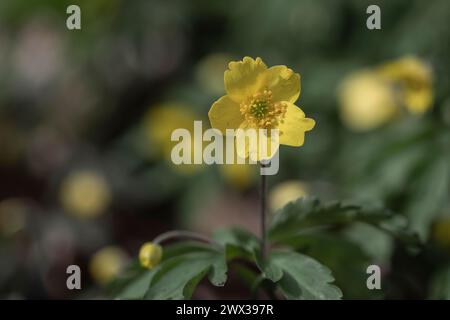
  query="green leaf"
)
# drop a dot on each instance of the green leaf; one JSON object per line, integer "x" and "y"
{"x": 429, "y": 196}
{"x": 218, "y": 274}
{"x": 180, "y": 248}
{"x": 241, "y": 243}
{"x": 309, "y": 214}
{"x": 237, "y": 243}
{"x": 237, "y": 237}
{"x": 177, "y": 277}
{"x": 346, "y": 259}
{"x": 304, "y": 278}
{"x": 137, "y": 288}
{"x": 129, "y": 275}
{"x": 440, "y": 284}
{"x": 268, "y": 268}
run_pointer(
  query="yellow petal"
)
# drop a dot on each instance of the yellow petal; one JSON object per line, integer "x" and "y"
{"x": 414, "y": 77}
{"x": 224, "y": 114}
{"x": 262, "y": 147}
{"x": 244, "y": 78}
{"x": 418, "y": 100}
{"x": 284, "y": 83}
{"x": 294, "y": 125}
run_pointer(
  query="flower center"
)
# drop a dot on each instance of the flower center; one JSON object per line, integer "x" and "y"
{"x": 259, "y": 108}
{"x": 260, "y": 112}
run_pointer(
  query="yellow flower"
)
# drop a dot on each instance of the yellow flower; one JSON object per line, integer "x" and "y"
{"x": 258, "y": 97}
{"x": 414, "y": 80}
{"x": 370, "y": 98}
{"x": 150, "y": 255}
{"x": 161, "y": 121}
{"x": 366, "y": 101}
{"x": 85, "y": 194}
{"x": 240, "y": 176}
{"x": 209, "y": 72}
{"x": 286, "y": 192}
{"x": 107, "y": 263}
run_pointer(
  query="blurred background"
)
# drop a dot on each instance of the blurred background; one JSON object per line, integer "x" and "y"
{"x": 86, "y": 116}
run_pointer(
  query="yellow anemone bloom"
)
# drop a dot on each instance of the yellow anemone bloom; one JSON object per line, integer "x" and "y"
{"x": 150, "y": 255}
{"x": 161, "y": 121}
{"x": 372, "y": 97}
{"x": 286, "y": 192}
{"x": 85, "y": 194}
{"x": 258, "y": 97}
{"x": 366, "y": 101}
{"x": 107, "y": 263}
{"x": 240, "y": 176}
{"x": 414, "y": 79}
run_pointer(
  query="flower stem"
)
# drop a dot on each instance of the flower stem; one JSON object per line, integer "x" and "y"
{"x": 181, "y": 234}
{"x": 263, "y": 208}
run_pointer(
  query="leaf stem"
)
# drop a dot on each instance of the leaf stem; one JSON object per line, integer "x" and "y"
{"x": 182, "y": 234}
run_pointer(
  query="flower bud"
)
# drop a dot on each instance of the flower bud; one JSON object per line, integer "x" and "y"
{"x": 150, "y": 255}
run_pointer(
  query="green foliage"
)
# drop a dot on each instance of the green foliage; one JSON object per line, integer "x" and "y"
{"x": 440, "y": 284}
{"x": 303, "y": 277}
{"x": 183, "y": 266}
{"x": 302, "y": 225}
{"x": 309, "y": 214}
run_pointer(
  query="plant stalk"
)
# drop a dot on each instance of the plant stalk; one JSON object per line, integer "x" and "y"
{"x": 263, "y": 210}
{"x": 181, "y": 234}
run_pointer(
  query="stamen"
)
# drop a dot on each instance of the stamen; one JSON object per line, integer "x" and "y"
{"x": 261, "y": 112}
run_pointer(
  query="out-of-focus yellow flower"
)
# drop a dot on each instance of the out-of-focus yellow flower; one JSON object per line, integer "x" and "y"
{"x": 150, "y": 255}
{"x": 441, "y": 232}
{"x": 240, "y": 176}
{"x": 85, "y": 194}
{"x": 370, "y": 98}
{"x": 210, "y": 72}
{"x": 366, "y": 101}
{"x": 161, "y": 121}
{"x": 285, "y": 192}
{"x": 414, "y": 79}
{"x": 261, "y": 98}
{"x": 107, "y": 263}
{"x": 12, "y": 216}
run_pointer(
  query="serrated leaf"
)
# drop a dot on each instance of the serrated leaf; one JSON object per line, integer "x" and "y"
{"x": 269, "y": 269}
{"x": 177, "y": 277}
{"x": 237, "y": 243}
{"x": 308, "y": 214}
{"x": 218, "y": 274}
{"x": 304, "y": 278}
{"x": 238, "y": 237}
{"x": 344, "y": 258}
